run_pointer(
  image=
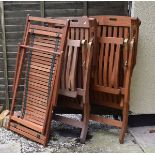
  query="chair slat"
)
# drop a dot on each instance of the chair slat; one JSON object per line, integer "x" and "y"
{"x": 73, "y": 69}
{"x": 68, "y": 66}
{"x": 46, "y": 28}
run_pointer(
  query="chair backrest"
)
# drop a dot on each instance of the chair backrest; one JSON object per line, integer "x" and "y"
{"x": 74, "y": 74}
{"x": 68, "y": 85}
{"x": 112, "y": 61}
{"x": 119, "y": 26}
{"x": 107, "y": 72}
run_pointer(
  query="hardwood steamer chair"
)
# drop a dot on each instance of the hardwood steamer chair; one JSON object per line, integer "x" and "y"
{"x": 39, "y": 56}
{"x": 115, "y": 58}
{"x": 75, "y": 77}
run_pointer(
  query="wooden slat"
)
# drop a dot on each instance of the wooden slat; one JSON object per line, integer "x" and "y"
{"x": 68, "y": 121}
{"x": 39, "y": 75}
{"x": 111, "y": 65}
{"x": 36, "y": 66}
{"x": 39, "y": 48}
{"x": 52, "y": 21}
{"x": 32, "y": 96}
{"x": 68, "y": 93}
{"x": 41, "y": 32}
{"x": 100, "y": 67}
{"x": 86, "y": 35}
{"x": 114, "y": 20}
{"x": 39, "y": 82}
{"x": 44, "y": 44}
{"x": 68, "y": 67}
{"x": 33, "y": 119}
{"x": 49, "y": 29}
{"x": 110, "y": 40}
{"x": 35, "y": 112}
{"x": 72, "y": 33}
{"x": 74, "y": 43}
{"x": 63, "y": 76}
{"x": 36, "y": 95}
{"x": 35, "y": 108}
{"x": 73, "y": 69}
{"x": 42, "y": 60}
{"x": 114, "y": 104}
{"x": 106, "y": 89}
{"x": 43, "y": 105}
{"x": 44, "y": 55}
{"x": 117, "y": 59}
{"x": 106, "y": 120}
{"x": 47, "y": 40}
{"x": 39, "y": 106}
{"x": 44, "y": 49}
{"x": 112, "y": 51}
{"x": 77, "y": 36}
{"x": 105, "y": 72}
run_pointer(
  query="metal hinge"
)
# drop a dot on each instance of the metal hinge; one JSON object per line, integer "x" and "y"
{"x": 38, "y": 136}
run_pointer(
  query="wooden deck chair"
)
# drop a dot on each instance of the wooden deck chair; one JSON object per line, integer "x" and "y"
{"x": 39, "y": 56}
{"x": 114, "y": 62}
{"x": 74, "y": 84}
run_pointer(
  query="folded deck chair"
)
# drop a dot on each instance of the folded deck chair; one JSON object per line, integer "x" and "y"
{"x": 74, "y": 84}
{"x": 115, "y": 57}
{"x": 39, "y": 56}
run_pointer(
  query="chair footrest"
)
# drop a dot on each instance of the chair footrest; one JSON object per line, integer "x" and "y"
{"x": 26, "y": 123}
{"x": 24, "y": 131}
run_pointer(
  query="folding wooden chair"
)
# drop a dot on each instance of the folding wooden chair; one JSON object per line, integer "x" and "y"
{"x": 115, "y": 57}
{"x": 74, "y": 84}
{"x": 39, "y": 56}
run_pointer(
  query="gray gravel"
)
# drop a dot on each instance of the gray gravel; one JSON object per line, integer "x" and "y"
{"x": 63, "y": 138}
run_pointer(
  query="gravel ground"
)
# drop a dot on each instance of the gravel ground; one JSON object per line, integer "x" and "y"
{"x": 63, "y": 138}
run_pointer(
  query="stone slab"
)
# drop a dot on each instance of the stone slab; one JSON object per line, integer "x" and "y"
{"x": 144, "y": 138}
{"x": 108, "y": 141}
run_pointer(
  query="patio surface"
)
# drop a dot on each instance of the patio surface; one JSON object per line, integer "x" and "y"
{"x": 101, "y": 138}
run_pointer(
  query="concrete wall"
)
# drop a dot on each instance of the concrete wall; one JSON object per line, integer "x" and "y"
{"x": 143, "y": 81}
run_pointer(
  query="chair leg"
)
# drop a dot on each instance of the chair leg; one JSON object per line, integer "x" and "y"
{"x": 124, "y": 123}
{"x": 85, "y": 124}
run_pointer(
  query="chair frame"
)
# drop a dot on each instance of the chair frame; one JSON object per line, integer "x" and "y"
{"x": 85, "y": 28}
